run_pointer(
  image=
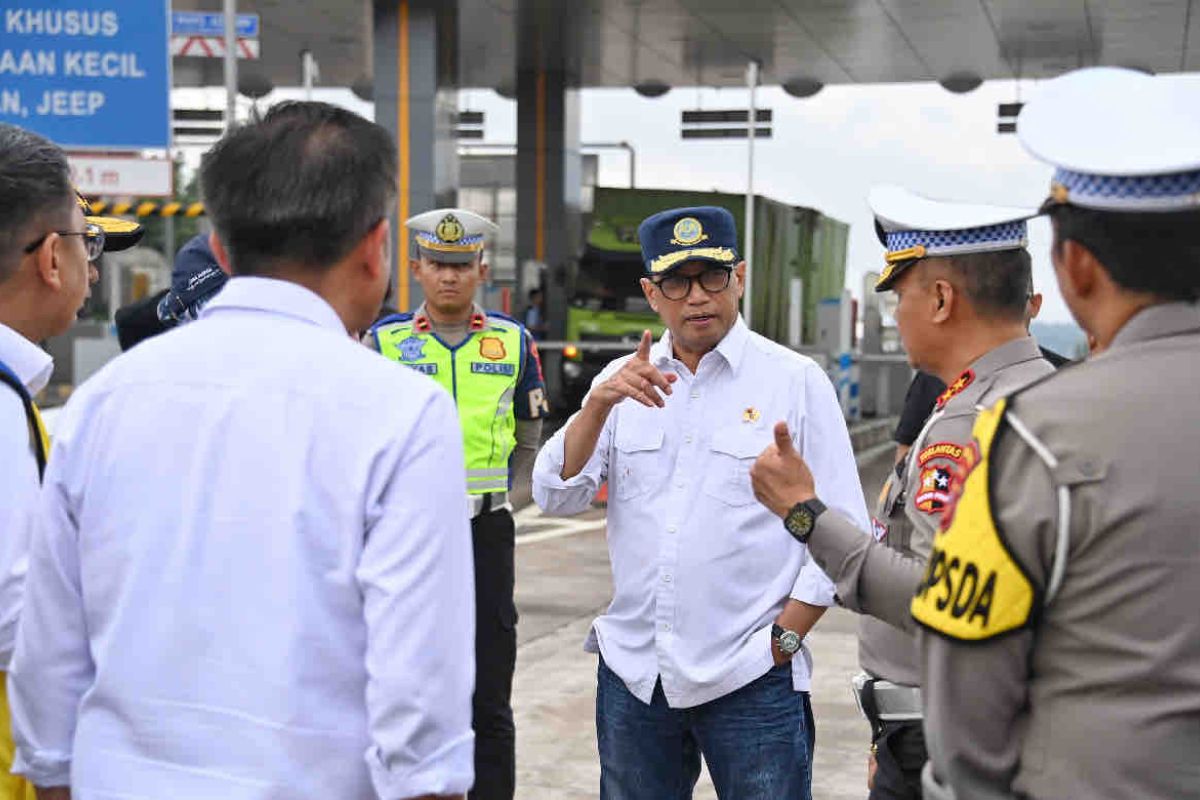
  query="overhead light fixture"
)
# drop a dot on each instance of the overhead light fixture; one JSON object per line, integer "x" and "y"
{"x": 506, "y": 91}
{"x": 651, "y": 88}
{"x": 363, "y": 88}
{"x": 961, "y": 82}
{"x": 802, "y": 87}
{"x": 254, "y": 85}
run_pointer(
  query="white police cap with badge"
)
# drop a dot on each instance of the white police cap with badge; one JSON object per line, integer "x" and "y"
{"x": 1120, "y": 140}
{"x": 911, "y": 227}
{"x": 450, "y": 235}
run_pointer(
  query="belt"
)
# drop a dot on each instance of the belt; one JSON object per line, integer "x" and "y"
{"x": 492, "y": 501}
{"x": 883, "y": 701}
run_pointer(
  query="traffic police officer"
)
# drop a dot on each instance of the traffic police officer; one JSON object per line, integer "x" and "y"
{"x": 490, "y": 364}
{"x": 962, "y": 276}
{"x": 1061, "y": 656}
{"x": 47, "y": 262}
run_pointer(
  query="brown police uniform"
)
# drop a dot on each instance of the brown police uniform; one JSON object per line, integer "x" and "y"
{"x": 1071, "y": 668}
{"x": 911, "y": 503}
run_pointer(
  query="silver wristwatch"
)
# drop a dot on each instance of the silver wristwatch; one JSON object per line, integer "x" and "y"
{"x": 788, "y": 641}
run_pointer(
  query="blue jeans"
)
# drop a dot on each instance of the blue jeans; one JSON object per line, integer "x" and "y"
{"x": 757, "y": 742}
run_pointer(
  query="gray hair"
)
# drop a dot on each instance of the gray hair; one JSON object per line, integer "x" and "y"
{"x": 35, "y": 187}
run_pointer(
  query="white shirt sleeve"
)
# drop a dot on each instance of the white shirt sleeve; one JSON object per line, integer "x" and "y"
{"x": 18, "y": 501}
{"x": 52, "y": 666}
{"x": 825, "y": 447}
{"x": 417, "y": 578}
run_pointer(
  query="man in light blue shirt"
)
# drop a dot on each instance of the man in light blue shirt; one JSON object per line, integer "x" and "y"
{"x": 701, "y": 649}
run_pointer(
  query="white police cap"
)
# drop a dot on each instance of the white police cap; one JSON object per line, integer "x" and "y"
{"x": 1120, "y": 140}
{"x": 911, "y": 227}
{"x": 451, "y": 235}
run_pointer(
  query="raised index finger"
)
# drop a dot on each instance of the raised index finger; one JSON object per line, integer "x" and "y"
{"x": 643, "y": 348}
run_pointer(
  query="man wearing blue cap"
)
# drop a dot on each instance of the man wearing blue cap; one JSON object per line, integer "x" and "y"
{"x": 701, "y": 650}
{"x": 962, "y": 276}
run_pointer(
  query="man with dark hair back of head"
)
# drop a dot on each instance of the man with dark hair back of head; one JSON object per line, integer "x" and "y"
{"x": 275, "y": 588}
{"x": 962, "y": 276}
{"x": 47, "y": 250}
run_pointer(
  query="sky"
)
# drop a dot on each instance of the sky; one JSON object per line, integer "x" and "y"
{"x": 826, "y": 151}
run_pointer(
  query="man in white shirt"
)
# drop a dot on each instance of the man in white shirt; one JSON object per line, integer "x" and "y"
{"x": 47, "y": 249}
{"x": 251, "y": 574}
{"x": 701, "y": 649}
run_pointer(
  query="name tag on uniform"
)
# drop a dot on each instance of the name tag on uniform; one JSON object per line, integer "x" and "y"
{"x": 493, "y": 369}
{"x": 428, "y": 369}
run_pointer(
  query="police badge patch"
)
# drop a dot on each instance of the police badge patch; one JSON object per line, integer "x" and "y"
{"x": 412, "y": 349}
{"x": 492, "y": 348}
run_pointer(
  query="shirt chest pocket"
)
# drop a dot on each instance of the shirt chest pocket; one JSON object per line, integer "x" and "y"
{"x": 733, "y": 451}
{"x": 639, "y": 464}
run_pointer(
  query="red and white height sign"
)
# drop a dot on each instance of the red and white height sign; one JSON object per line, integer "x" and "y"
{"x": 211, "y": 47}
{"x": 123, "y": 175}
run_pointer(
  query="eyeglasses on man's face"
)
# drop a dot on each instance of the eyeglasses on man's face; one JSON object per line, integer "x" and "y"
{"x": 93, "y": 240}
{"x": 712, "y": 280}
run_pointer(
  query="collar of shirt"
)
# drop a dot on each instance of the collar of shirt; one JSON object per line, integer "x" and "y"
{"x": 278, "y": 297}
{"x": 1158, "y": 321}
{"x": 732, "y": 347}
{"x": 477, "y": 322}
{"x": 31, "y": 364}
{"x": 986, "y": 366}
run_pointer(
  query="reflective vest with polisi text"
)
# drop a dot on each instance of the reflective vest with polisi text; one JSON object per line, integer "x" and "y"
{"x": 482, "y": 374}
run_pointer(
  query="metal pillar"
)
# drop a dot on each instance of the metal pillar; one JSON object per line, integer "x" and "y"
{"x": 416, "y": 99}
{"x": 231, "y": 65}
{"x": 748, "y": 256}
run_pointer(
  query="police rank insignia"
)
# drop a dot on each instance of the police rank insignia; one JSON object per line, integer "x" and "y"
{"x": 492, "y": 348}
{"x": 450, "y": 229}
{"x": 960, "y": 383}
{"x": 688, "y": 231}
{"x": 412, "y": 349}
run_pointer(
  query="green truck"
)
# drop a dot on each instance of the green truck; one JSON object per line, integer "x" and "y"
{"x": 606, "y": 304}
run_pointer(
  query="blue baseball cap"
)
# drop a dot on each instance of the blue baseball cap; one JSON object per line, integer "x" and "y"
{"x": 196, "y": 277}
{"x": 670, "y": 239}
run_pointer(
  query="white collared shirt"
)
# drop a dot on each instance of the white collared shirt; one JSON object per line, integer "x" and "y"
{"x": 32, "y": 366}
{"x": 700, "y": 568}
{"x": 252, "y": 572}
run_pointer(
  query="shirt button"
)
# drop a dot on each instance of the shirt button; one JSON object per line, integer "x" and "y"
{"x": 688, "y": 438}
{"x": 667, "y": 627}
{"x": 679, "y": 484}
{"x": 667, "y": 578}
{"x": 671, "y": 529}
{"x": 694, "y": 395}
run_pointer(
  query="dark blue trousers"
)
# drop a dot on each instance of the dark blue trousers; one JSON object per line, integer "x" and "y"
{"x": 756, "y": 741}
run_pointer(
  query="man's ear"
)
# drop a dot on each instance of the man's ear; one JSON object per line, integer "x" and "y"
{"x": 942, "y": 298}
{"x": 377, "y": 249}
{"x": 1079, "y": 269}
{"x": 651, "y": 292}
{"x": 739, "y": 272}
{"x": 218, "y": 248}
{"x": 46, "y": 262}
{"x": 483, "y": 270}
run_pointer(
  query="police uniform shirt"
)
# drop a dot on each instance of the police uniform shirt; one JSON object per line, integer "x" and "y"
{"x": 911, "y": 503}
{"x": 701, "y": 568}
{"x": 32, "y": 366}
{"x": 1098, "y": 693}
{"x": 251, "y": 577}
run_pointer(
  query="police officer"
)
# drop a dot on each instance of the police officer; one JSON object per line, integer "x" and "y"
{"x": 48, "y": 248}
{"x": 1062, "y": 652}
{"x": 962, "y": 276}
{"x": 490, "y": 364}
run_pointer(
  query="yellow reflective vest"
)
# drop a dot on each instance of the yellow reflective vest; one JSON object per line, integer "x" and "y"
{"x": 481, "y": 373}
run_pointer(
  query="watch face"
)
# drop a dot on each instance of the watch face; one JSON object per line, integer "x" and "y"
{"x": 789, "y": 642}
{"x": 800, "y": 521}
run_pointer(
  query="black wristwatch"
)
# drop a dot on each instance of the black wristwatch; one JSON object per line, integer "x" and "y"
{"x": 788, "y": 641}
{"x": 802, "y": 518}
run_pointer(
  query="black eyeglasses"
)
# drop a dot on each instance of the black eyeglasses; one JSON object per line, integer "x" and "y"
{"x": 93, "y": 240}
{"x": 711, "y": 280}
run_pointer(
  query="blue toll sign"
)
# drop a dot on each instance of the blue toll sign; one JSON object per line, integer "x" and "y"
{"x": 88, "y": 73}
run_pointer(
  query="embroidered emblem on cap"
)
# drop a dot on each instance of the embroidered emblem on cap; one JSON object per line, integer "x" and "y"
{"x": 492, "y": 348}
{"x": 450, "y": 229}
{"x": 688, "y": 231}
